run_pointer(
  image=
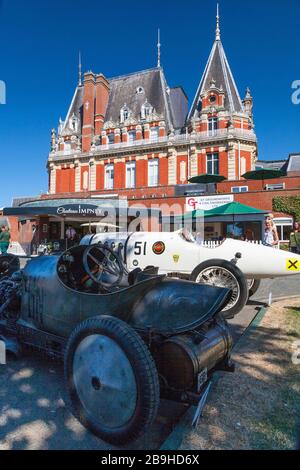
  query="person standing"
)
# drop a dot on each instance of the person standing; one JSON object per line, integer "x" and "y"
{"x": 295, "y": 239}
{"x": 71, "y": 236}
{"x": 270, "y": 217}
{"x": 4, "y": 239}
{"x": 271, "y": 235}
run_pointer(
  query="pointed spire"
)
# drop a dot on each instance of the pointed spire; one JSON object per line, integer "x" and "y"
{"x": 218, "y": 31}
{"x": 79, "y": 70}
{"x": 158, "y": 48}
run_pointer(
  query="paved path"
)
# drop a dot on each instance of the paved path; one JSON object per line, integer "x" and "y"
{"x": 280, "y": 287}
{"x": 33, "y": 413}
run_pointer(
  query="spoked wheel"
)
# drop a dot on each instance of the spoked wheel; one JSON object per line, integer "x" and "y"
{"x": 103, "y": 265}
{"x": 222, "y": 273}
{"x": 253, "y": 286}
{"x": 8, "y": 265}
{"x": 111, "y": 379}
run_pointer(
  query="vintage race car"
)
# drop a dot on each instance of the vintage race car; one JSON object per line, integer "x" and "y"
{"x": 127, "y": 337}
{"x": 177, "y": 254}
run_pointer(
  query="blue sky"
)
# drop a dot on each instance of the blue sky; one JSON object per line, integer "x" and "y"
{"x": 40, "y": 41}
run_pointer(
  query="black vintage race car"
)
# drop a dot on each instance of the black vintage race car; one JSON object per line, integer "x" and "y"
{"x": 127, "y": 338}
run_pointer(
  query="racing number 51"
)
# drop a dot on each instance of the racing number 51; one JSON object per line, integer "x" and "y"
{"x": 140, "y": 248}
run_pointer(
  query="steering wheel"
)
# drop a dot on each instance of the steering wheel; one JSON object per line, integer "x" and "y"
{"x": 102, "y": 265}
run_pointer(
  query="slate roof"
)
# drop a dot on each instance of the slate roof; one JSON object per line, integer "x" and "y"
{"x": 170, "y": 104}
{"x": 293, "y": 162}
{"x": 271, "y": 164}
{"x": 218, "y": 69}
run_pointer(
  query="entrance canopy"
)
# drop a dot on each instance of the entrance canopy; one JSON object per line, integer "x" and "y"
{"x": 79, "y": 208}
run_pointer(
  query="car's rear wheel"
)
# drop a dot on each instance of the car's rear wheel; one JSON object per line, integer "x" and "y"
{"x": 253, "y": 286}
{"x": 222, "y": 273}
{"x": 111, "y": 379}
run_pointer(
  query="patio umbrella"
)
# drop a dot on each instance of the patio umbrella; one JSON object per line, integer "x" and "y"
{"x": 233, "y": 209}
{"x": 207, "y": 179}
{"x": 263, "y": 174}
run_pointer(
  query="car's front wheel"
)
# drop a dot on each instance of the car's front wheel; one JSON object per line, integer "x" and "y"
{"x": 112, "y": 380}
{"x": 222, "y": 273}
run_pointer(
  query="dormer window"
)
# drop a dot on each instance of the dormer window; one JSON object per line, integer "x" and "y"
{"x": 212, "y": 98}
{"x": 124, "y": 113}
{"x": 146, "y": 110}
{"x": 140, "y": 90}
{"x": 74, "y": 123}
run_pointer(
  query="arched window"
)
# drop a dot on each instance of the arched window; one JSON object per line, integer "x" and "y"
{"x": 146, "y": 110}
{"x": 124, "y": 113}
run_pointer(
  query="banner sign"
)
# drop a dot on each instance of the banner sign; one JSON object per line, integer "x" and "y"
{"x": 206, "y": 203}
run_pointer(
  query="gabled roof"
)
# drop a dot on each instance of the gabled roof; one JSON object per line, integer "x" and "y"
{"x": 169, "y": 104}
{"x": 123, "y": 90}
{"x": 218, "y": 70}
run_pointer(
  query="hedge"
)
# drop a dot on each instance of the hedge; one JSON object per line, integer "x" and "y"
{"x": 289, "y": 205}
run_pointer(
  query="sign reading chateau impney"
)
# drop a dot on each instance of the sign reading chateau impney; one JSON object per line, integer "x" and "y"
{"x": 206, "y": 203}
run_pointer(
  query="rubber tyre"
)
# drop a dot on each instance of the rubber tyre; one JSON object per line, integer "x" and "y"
{"x": 254, "y": 288}
{"x": 239, "y": 276}
{"x": 9, "y": 264}
{"x": 145, "y": 373}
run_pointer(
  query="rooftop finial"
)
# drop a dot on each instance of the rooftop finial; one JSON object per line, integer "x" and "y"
{"x": 218, "y": 31}
{"x": 79, "y": 70}
{"x": 158, "y": 48}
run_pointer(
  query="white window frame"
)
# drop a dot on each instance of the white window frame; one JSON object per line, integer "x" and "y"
{"x": 241, "y": 189}
{"x": 130, "y": 174}
{"x": 215, "y": 159}
{"x": 124, "y": 113}
{"x": 214, "y": 126}
{"x": 109, "y": 176}
{"x": 281, "y": 222}
{"x": 154, "y": 133}
{"x": 153, "y": 172}
{"x": 110, "y": 138}
{"x": 272, "y": 186}
{"x": 131, "y": 136}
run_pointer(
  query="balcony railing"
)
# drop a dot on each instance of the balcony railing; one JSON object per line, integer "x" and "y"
{"x": 205, "y": 136}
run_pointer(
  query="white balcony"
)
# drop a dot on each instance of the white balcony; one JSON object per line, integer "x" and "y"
{"x": 207, "y": 136}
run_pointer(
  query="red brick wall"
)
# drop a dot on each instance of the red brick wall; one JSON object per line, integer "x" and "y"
{"x": 102, "y": 95}
{"x": 119, "y": 175}
{"x": 141, "y": 173}
{"x": 100, "y": 169}
{"x": 290, "y": 183}
{"x": 65, "y": 180}
{"x": 88, "y": 111}
{"x": 163, "y": 171}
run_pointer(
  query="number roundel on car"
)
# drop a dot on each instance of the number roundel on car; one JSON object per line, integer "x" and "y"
{"x": 158, "y": 248}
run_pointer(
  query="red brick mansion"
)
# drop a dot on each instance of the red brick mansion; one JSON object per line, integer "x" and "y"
{"x": 135, "y": 136}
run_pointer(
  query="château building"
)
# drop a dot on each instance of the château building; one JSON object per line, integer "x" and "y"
{"x": 136, "y": 136}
